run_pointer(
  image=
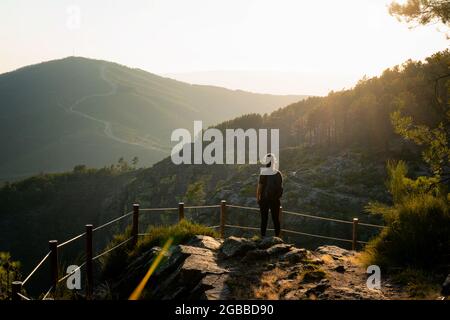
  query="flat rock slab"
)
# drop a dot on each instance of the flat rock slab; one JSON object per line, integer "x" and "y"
{"x": 204, "y": 264}
{"x": 189, "y": 250}
{"x": 205, "y": 242}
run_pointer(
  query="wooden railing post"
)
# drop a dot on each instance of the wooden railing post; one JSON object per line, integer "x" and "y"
{"x": 355, "y": 234}
{"x": 180, "y": 211}
{"x": 135, "y": 228}
{"x": 16, "y": 288}
{"x": 223, "y": 212}
{"x": 53, "y": 246}
{"x": 89, "y": 273}
{"x": 280, "y": 217}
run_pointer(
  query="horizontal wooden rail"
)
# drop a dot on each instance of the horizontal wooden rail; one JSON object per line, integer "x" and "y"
{"x": 311, "y": 216}
{"x": 243, "y": 207}
{"x": 159, "y": 209}
{"x": 111, "y": 249}
{"x": 72, "y": 272}
{"x": 294, "y": 232}
{"x": 71, "y": 240}
{"x": 112, "y": 221}
{"x": 36, "y": 268}
{"x": 202, "y": 207}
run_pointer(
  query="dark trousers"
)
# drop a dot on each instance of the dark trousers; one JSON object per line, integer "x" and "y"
{"x": 274, "y": 207}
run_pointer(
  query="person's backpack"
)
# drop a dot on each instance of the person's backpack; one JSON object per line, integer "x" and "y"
{"x": 273, "y": 188}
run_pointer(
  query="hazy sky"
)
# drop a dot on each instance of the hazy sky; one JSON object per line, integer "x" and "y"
{"x": 278, "y": 46}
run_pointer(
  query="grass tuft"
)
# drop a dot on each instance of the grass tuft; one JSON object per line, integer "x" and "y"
{"x": 116, "y": 262}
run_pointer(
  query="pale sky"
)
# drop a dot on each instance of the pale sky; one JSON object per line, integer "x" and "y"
{"x": 273, "y": 46}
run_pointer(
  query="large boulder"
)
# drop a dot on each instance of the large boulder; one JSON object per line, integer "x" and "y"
{"x": 234, "y": 246}
{"x": 196, "y": 271}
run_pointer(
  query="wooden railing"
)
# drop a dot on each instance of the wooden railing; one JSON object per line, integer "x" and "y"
{"x": 52, "y": 256}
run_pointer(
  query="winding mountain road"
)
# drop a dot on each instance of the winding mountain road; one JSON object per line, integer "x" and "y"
{"x": 108, "y": 129}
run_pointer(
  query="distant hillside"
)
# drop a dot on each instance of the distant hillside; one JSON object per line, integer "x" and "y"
{"x": 58, "y": 114}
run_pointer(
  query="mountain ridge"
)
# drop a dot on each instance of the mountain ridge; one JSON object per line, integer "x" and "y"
{"x": 164, "y": 76}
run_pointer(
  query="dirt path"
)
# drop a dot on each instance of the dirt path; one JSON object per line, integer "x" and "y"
{"x": 108, "y": 126}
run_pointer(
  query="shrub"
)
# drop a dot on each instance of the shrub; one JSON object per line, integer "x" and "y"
{"x": 116, "y": 261}
{"x": 417, "y": 283}
{"x": 180, "y": 232}
{"x": 417, "y": 235}
{"x": 9, "y": 271}
{"x": 418, "y": 225}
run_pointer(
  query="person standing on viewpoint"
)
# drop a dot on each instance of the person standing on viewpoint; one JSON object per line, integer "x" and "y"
{"x": 268, "y": 194}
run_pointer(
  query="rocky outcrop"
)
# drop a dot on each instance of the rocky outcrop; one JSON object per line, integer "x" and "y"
{"x": 192, "y": 271}
{"x": 234, "y": 246}
{"x": 241, "y": 268}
